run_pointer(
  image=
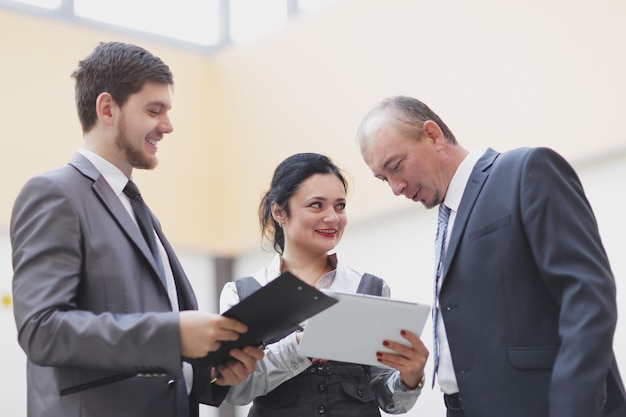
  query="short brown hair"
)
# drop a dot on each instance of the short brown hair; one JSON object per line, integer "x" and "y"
{"x": 121, "y": 69}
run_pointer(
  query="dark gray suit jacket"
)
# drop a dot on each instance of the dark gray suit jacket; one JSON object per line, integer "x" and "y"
{"x": 89, "y": 303}
{"x": 528, "y": 297}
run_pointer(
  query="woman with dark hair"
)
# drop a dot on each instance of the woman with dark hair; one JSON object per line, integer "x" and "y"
{"x": 303, "y": 216}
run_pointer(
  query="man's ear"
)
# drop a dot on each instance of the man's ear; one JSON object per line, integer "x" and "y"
{"x": 433, "y": 132}
{"x": 105, "y": 108}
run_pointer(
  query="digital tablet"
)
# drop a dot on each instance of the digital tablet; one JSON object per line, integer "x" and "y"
{"x": 353, "y": 329}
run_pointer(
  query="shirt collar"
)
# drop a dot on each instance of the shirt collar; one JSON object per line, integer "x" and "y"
{"x": 459, "y": 180}
{"x": 112, "y": 174}
{"x": 276, "y": 265}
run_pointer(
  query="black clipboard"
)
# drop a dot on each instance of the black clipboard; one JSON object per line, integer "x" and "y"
{"x": 283, "y": 303}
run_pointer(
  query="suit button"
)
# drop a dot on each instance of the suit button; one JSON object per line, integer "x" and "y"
{"x": 321, "y": 409}
{"x": 321, "y": 387}
{"x": 171, "y": 383}
{"x": 359, "y": 392}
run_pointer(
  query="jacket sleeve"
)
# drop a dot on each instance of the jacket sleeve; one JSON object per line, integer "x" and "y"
{"x": 58, "y": 325}
{"x": 565, "y": 241}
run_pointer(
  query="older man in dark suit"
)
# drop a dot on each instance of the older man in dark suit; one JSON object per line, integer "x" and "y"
{"x": 525, "y": 307}
{"x": 103, "y": 308}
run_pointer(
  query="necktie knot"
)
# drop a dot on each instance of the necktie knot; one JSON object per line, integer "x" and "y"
{"x": 442, "y": 229}
{"x": 131, "y": 190}
{"x": 444, "y": 214}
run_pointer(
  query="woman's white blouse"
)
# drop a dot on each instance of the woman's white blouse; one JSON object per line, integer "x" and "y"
{"x": 282, "y": 362}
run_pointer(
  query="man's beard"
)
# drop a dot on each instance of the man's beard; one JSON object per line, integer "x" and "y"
{"x": 138, "y": 158}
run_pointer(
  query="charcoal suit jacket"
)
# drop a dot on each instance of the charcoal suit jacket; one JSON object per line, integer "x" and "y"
{"x": 528, "y": 297}
{"x": 89, "y": 304}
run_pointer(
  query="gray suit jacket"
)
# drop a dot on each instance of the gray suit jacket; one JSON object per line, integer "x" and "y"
{"x": 528, "y": 297}
{"x": 89, "y": 303}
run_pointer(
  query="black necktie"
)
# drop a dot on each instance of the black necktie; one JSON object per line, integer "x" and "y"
{"x": 182, "y": 399}
{"x": 145, "y": 224}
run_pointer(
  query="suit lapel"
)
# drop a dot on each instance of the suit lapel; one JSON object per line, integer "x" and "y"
{"x": 113, "y": 205}
{"x": 475, "y": 183}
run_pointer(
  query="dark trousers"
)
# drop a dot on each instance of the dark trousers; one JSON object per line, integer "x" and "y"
{"x": 454, "y": 405}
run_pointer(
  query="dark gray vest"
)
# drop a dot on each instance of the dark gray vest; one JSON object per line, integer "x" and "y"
{"x": 334, "y": 388}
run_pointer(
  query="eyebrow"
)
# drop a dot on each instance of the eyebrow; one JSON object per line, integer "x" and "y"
{"x": 385, "y": 168}
{"x": 318, "y": 198}
{"x": 391, "y": 159}
{"x": 159, "y": 103}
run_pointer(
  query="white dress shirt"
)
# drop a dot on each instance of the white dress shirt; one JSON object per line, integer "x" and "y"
{"x": 445, "y": 372}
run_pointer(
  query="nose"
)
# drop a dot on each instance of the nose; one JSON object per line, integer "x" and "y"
{"x": 165, "y": 126}
{"x": 397, "y": 187}
{"x": 331, "y": 216}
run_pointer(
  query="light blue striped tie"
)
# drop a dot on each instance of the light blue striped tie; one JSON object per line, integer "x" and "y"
{"x": 440, "y": 243}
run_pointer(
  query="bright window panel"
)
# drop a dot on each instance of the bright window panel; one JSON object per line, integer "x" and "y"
{"x": 195, "y": 21}
{"x": 253, "y": 19}
{"x": 44, "y": 4}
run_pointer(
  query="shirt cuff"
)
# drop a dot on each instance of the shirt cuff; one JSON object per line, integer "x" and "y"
{"x": 287, "y": 350}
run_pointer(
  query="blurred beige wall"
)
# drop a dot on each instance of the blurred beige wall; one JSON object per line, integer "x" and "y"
{"x": 531, "y": 73}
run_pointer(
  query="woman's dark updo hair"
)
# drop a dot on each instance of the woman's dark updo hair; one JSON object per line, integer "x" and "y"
{"x": 288, "y": 177}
